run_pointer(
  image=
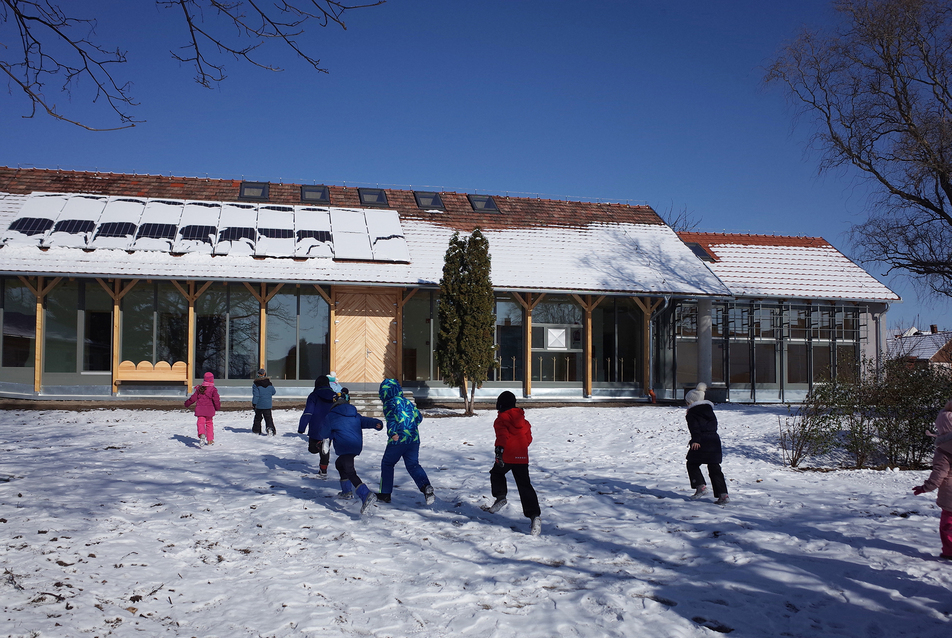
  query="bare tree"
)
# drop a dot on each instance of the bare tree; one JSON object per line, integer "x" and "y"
{"x": 877, "y": 90}
{"x": 43, "y": 46}
{"x": 680, "y": 221}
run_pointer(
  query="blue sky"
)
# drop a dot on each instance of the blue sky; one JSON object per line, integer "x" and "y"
{"x": 617, "y": 100}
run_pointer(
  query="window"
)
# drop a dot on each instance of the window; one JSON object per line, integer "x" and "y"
{"x": 698, "y": 250}
{"x": 372, "y": 197}
{"x": 315, "y": 195}
{"x": 32, "y": 225}
{"x": 483, "y": 202}
{"x": 254, "y": 190}
{"x": 429, "y": 200}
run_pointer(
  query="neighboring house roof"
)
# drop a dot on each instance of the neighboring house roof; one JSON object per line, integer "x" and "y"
{"x": 922, "y": 346}
{"x": 767, "y": 266}
{"x": 535, "y": 244}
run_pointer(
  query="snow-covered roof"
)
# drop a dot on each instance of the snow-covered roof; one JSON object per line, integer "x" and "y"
{"x": 923, "y": 346}
{"x": 766, "y": 266}
{"x": 539, "y": 245}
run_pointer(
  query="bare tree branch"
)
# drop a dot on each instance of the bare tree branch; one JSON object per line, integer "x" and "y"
{"x": 43, "y": 48}
{"x": 878, "y": 92}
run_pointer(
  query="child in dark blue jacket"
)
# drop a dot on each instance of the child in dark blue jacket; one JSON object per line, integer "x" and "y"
{"x": 319, "y": 403}
{"x": 403, "y": 441}
{"x": 344, "y": 425}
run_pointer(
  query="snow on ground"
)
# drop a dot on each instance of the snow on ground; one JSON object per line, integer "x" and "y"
{"x": 114, "y": 522}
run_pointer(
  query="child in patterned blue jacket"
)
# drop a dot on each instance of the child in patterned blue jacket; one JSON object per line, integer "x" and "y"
{"x": 403, "y": 441}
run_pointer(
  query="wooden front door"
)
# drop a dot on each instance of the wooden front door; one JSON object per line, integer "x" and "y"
{"x": 366, "y": 335}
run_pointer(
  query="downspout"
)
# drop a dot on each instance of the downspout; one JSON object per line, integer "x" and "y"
{"x": 879, "y": 344}
{"x": 651, "y": 322}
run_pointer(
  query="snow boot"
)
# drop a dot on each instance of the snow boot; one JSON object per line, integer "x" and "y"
{"x": 346, "y": 490}
{"x": 428, "y": 494}
{"x": 723, "y": 499}
{"x": 383, "y": 498}
{"x": 536, "y": 529}
{"x": 500, "y": 503}
{"x": 369, "y": 499}
{"x": 699, "y": 492}
{"x": 202, "y": 441}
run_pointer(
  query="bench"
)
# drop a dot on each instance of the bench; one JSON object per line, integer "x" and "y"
{"x": 145, "y": 371}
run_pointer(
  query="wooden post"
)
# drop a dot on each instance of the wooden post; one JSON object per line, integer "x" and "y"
{"x": 40, "y": 292}
{"x": 263, "y": 298}
{"x": 648, "y": 306}
{"x": 191, "y": 296}
{"x": 116, "y": 293}
{"x": 588, "y": 306}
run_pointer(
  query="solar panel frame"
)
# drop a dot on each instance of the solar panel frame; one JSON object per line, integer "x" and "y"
{"x": 119, "y": 210}
{"x": 198, "y": 214}
{"x": 313, "y": 236}
{"x": 158, "y": 213}
{"x": 386, "y": 236}
{"x": 37, "y": 206}
{"x": 351, "y": 240}
{"x": 275, "y": 231}
{"x": 236, "y": 215}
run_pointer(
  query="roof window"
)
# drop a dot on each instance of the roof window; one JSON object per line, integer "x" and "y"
{"x": 482, "y": 202}
{"x": 428, "y": 200}
{"x": 254, "y": 190}
{"x": 699, "y": 251}
{"x": 372, "y": 196}
{"x": 315, "y": 195}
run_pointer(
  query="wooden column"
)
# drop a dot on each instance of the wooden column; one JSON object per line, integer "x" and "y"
{"x": 116, "y": 293}
{"x": 528, "y": 303}
{"x": 263, "y": 297}
{"x": 40, "y": 291}
{"x": 648, "y": 306}
{"x": 588, "y": 307}
{"x": 191, "y": 295}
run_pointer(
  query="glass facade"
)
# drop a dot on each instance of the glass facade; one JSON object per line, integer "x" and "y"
{"x": 617, "y": 342}
{"x": 226, "y": 333}
{"x": 298, "y": 324}
{"x": 770, "y": 352}
{"x": 510, "y": 345}
{"x": 557, "y": 345}
{"x": 19, "y": 324}
{"x": 419, "y": 334}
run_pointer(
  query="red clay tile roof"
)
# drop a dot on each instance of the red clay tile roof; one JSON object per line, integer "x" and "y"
{"x": 515, "y": 212}
{"x": 706, "y": 240}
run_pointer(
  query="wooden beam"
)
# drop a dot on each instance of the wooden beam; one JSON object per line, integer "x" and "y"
{"x": 332, "y": 333}
{"x": 527, "y": 346}
{"x": 324, "y": 294}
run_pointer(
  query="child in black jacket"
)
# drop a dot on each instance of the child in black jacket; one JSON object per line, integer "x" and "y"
{"x": 705, "y": 446}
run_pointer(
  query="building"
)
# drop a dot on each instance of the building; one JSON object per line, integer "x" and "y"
{"x": 117, "y": 286}
{"x": 922, "y": 348}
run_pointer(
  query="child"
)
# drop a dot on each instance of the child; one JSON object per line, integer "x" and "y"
{"x": 513, "y": 436}
{"x": 941, "y": 477}
{"x": 705, "y": 446}
{"x": 403, "y": 441}
{"x": 261, "y": 393}
{"x": 344, "y": 425}
{"x": 207, "y": 402}
{"x": 319, "y": 403}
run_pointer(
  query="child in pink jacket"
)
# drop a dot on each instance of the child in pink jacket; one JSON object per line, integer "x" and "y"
{"x": 207, "y": 402}
{"x": 941, "y": 477}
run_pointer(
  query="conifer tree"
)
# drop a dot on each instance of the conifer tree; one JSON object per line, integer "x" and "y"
{"x": 464, "y": 350}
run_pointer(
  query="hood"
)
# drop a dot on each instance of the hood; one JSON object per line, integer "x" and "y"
{"x": 389, "y": 389}
{"x": 325, "y": 394}
{"x": 344, "y": 409}
{"x": 263, "y": 382}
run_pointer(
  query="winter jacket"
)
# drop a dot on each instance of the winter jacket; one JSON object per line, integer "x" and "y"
{"x": 402, "y": 416}
{"x": 513, "y": 435}
{"x": 319, "y": 403}
{"x": 345, "y": 425}
{"x": 703, "y": 427}
{"x": 941, "y": 476}
{"x": 261, "y": 393}
{"x": 206, "y": 400}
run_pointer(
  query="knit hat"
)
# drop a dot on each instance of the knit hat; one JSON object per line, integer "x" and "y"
{"x": 695, "y": 395}
{"x": 209, "y": 377}
{"x": 505, "y": 401}
{"x": 262, "y": 372}
{"x": 322, "y": 382}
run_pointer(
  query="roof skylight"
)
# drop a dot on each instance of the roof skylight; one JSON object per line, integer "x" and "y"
{"x": 315, "y": 195}
{"x": 428, "y": 200}
{"x": 257, "y": 191}
{"x": 372, "y": 196}
{"x": 483, "y": 202}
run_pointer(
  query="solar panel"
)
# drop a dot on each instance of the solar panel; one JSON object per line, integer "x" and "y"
{"x": 195, "y": 233}
{"x": 237, "y": 234}
{"x": 120, "y": 219}
{"x": 158, "y": 225}
{"x": 115, "y": 229}
{"x": 39, "y": 206}
{"x": 236, "y": 229}
{"x": 74, "y": 226}
{"x": 386, "y": 236}
{"x": 350, "y": 235}
{"x": 275, "y": 231}
{"x": 199, "y": 230}
{"x": 156, "y": 231}
{"x": 313, "y": 236}
{"x": 30, "y": 226}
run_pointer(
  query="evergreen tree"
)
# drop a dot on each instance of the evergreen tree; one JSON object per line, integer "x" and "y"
{"x": 464, "y": 349}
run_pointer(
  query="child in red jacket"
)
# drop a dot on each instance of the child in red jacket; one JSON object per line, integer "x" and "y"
{"x": 513, "y": 436}
{"x": 207, "y": 402}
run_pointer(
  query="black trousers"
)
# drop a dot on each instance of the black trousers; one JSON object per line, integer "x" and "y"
{"x": 345, "y": 466}
{"x": 718, "y": 484}
{"x": 527, "y": 494}
{"x": 269, "y": 422}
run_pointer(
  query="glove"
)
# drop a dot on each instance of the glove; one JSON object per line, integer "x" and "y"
{"x": 498, "y": 452}
{"x": 917, "y": 490}
{"x": 314, "y": 446}
{"x": 326, "y": 446}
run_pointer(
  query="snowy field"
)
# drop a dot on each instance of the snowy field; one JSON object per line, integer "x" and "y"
{"x": 115, "y": 523}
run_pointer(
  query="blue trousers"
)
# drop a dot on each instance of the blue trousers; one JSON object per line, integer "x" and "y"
{"x": 410, "y": 453}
